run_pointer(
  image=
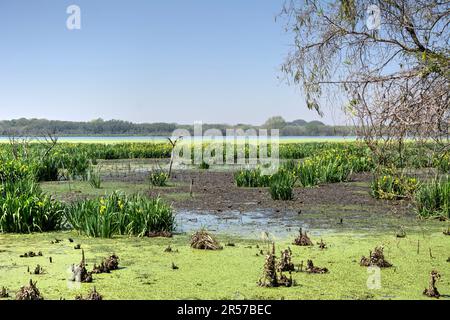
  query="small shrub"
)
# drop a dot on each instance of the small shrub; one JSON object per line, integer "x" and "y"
{"x": 433, "y": 198}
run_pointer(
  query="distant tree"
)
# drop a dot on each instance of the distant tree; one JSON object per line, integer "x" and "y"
{"x": 299, "y": 122}
{"x": 276, "y": 122}
{"x": 316, "y": 123}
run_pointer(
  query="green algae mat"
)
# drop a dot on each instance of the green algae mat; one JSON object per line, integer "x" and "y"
{"x": 146, "y": 267}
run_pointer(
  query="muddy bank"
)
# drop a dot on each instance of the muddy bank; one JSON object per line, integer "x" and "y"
{"x": 217, "y": 191}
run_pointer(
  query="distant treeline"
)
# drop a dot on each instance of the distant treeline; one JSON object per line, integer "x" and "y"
{"x": 100, "y": 127}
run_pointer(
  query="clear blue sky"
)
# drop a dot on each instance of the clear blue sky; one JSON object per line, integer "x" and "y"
{"x": 147, "y": 61}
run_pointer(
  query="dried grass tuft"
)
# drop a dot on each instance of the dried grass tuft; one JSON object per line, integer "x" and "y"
{"x": 30, "y": 292}
{"x": 432, "y": 291}
{"x": 376, "y": 258}
{"x": 203, "y": 240}
{"x": 302, "y": 239}
{"x": 310, "y": 268}
{"x": 93, "y": 295}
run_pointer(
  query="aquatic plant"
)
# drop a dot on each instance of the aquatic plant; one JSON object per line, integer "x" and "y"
{"x": 120, "y": 214}
{"x": 204, "y": 165}
{"x": 157, "y": 177}
{"x": 432, "y": 291}
{"x": 389, "y": 184}
{"x": 24, "y": 208}
{"x": 47, "y": 169}
{"x": 442, "y": 162}
{"x": 12, "y": 171}
{"x": 251, "y": 178}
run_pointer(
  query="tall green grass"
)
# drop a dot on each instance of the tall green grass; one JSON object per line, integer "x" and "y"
{"x": 24, "y": 208}
{"x": 119, "y": 214}
{"x": 251, "y": 178}
{"x": 433, "y": 198}
{"x": 390, "y": 184}
{"x": 13, "y": 170}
